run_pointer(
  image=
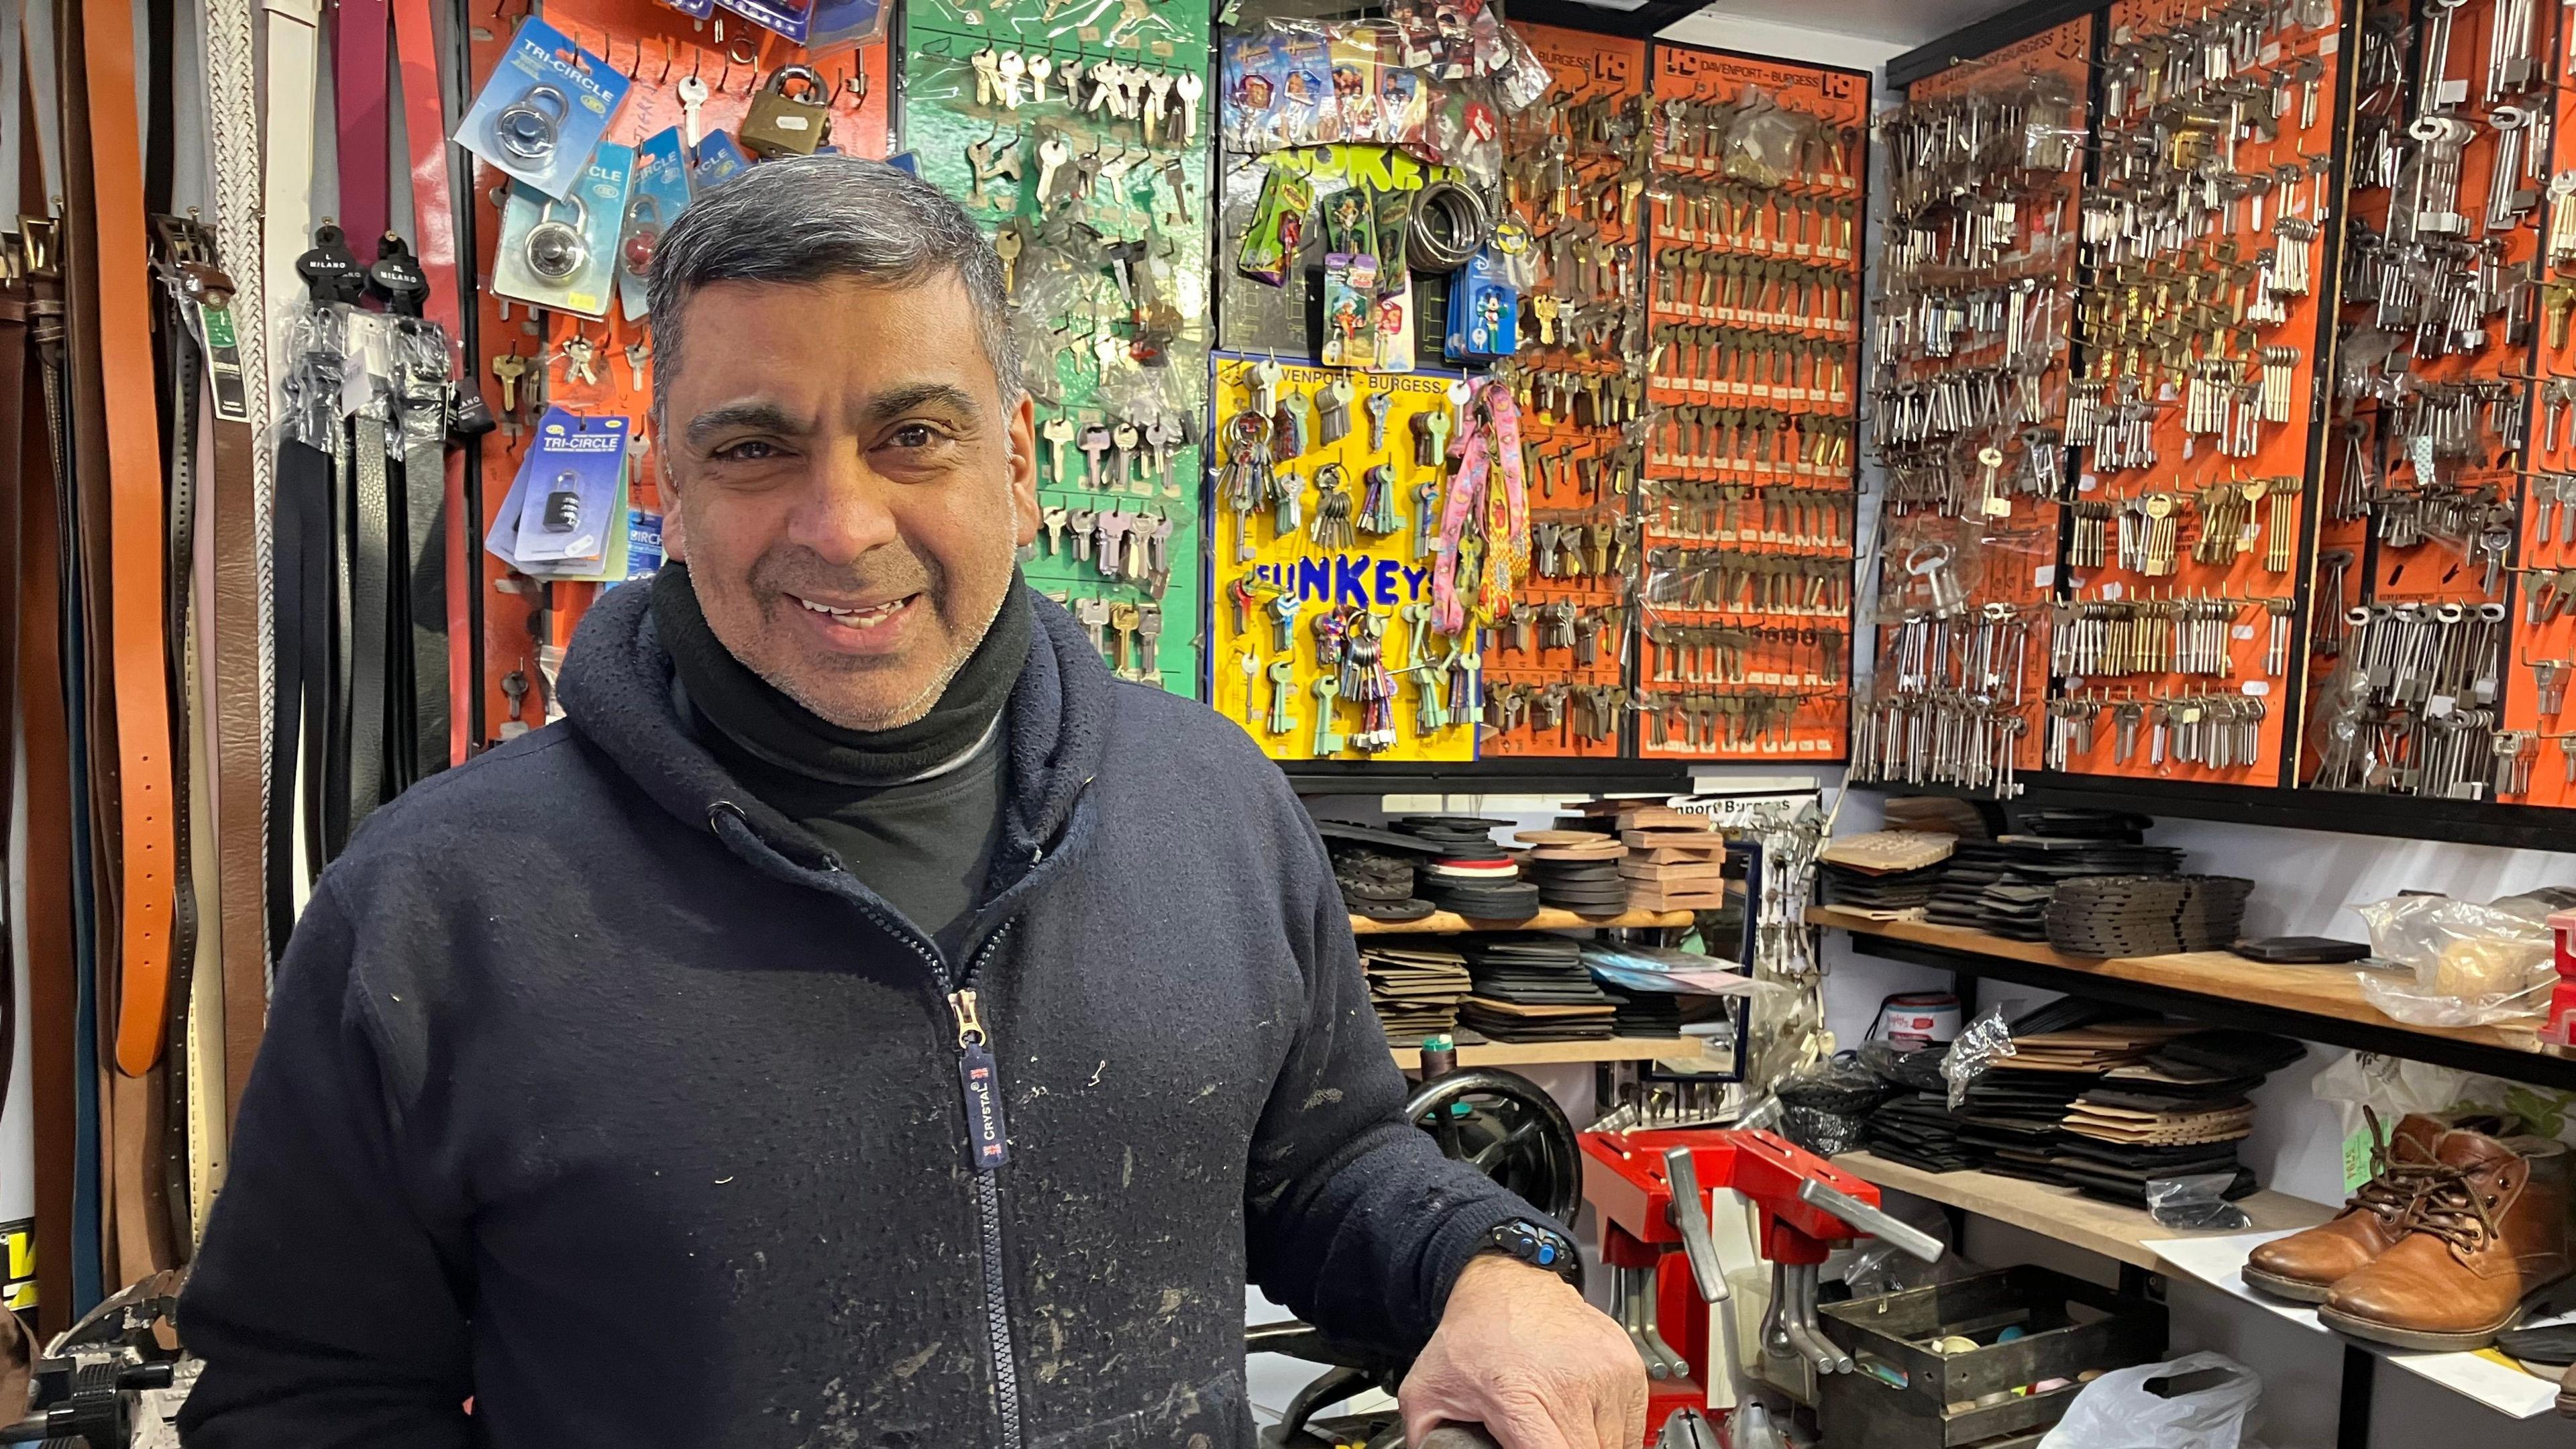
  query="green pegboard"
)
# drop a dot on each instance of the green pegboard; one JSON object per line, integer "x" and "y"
{"x": 1152, "y": 32}
{"x": 1074, "y": 326}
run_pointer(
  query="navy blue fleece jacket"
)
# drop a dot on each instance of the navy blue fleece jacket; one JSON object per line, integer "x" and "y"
{"x": 593, "y": 1090}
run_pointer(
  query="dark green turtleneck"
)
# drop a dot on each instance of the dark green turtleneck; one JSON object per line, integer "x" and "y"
{"x": 913, "y": 813}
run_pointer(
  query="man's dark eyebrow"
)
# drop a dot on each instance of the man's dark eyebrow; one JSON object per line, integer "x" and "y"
{"x": 758, "y": 417}
{"x": 895, "y": 402}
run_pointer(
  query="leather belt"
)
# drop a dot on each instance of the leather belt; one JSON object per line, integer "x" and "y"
{"x": 418, "y": 606}
{"x": 13, "y": 397}
{"x": 245, "y": 486}
{"x": 53, "y": 974}
{"x": 369, "y": 623}
{"x": 179, "y": 359}
{"x": 147, "y": 805}
{"x": 302, "y": 695}
{"x": 433, "y": 207}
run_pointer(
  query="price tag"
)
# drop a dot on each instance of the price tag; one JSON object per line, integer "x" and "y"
{"x": 2242, "y": 631}
{"x": 2111, "y": 590}
{"x": 2439, "y": 706}
{"x": 2087, "y": 483}
{"x": 2333, "y": 42}
{"x": 2258, "y": 687}
{"x": 2043, "y": 576}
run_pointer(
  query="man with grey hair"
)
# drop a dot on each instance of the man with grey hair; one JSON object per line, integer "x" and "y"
{"x": 862, "y": 1021}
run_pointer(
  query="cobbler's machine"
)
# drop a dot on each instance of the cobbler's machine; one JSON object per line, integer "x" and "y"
{"x": 1651, "y": 1192}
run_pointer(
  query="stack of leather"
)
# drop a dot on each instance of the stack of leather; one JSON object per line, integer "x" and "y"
{"x": 2004, "y": 886}
{"x": 1534, "y": 988}
{"x": 1376, "y": 885}
{"x": 1645, "y": 1013}
{"x": 2127, "y": 915}
{"x": 1416, "y": 991}
{"x": 1676, "y": 861}
{"x": 1467, "y": 872}
{"x": 1888, "y": 872}
{"x": 2459, "y": 1230}
{"x": 1575, "y": 870}
{"x": 1915, "y": 1125}
{"x": 1918, "y": 1130}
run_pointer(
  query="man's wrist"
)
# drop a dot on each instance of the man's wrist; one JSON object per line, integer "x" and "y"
{"x": 1535, "y": 1245}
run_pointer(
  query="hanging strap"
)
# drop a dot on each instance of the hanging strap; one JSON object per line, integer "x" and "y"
{"x": 285, "y": 198}
{"x": 443, "y": 645}
{"x": 137, "y": 539}
{"x": 358, "y": 93}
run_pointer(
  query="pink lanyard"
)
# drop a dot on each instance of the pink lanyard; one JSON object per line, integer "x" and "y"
{"x": 1504, "y": 512}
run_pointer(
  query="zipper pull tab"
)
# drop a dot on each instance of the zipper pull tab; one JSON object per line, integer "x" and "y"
{"x": 981, "y": 1085}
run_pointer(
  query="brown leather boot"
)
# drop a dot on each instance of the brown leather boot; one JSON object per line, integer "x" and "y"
{"x": 2302, "y": 1266}
{"x": 2490, "y": 1230}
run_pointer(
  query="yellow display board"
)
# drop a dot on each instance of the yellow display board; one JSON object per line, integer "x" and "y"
{"x": 1321, "y": 557}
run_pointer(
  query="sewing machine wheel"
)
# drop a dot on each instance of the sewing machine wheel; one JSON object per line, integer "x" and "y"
{"x": 1508, "y": 1128}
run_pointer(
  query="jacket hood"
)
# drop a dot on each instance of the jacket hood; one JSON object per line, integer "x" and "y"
{"x": 615, "y": 689}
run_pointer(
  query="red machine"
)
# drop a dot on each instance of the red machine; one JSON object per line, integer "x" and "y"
{"x": 2558, "y": 1028}
{"x": 1651, "y": 1190}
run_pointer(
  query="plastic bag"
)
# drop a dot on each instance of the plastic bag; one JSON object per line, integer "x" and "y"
{"x": 1823, "y": 1107}
{"x": 2394, "y": 1087}
{"x": 1986, "y": 1041}
{"x": 2196, "y": 1203}
{"x": 2119, "y": 1411}
{"x": 2473, "y": 964}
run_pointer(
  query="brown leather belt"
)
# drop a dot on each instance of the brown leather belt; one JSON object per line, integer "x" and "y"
{"x": 13, "y": 396}
{"x": 147, "y": 805}
{"x": 53, "y": 990}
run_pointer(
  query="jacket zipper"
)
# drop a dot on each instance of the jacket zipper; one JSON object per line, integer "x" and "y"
{"x": 987, "y": 1150}
{"x": 986, "y": 1141}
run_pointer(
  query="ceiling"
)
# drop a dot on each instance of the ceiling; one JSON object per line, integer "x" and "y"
{"x": 1901, "y": 24}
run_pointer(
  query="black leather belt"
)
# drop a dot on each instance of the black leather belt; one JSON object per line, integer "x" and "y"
{"x": 303, "y": 693}
{"x": 179, "y": 378}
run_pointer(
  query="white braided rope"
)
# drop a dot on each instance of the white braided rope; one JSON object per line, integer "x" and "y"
{"x": 232, "y": 108}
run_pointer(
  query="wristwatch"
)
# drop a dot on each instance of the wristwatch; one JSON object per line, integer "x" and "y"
{"x": 1540, "y": 1247}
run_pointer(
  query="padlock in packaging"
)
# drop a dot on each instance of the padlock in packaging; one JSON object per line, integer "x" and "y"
{"x": 782, "y": 123}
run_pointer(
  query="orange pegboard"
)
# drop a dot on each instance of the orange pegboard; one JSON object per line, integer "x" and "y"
{"x": 1556, "y": 671}
{"x": 1963, "y": 298}
{"x": 1750, "y": 455}
{"x": 2196, "y": 412}
{"x": 657, "y": 48}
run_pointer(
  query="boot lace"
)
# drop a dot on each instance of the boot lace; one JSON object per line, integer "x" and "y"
{"x": 2394, "y": 1187}
{"x": 2455, "y": 1209}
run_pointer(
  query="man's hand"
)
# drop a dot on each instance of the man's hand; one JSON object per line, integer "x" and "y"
{"x": 1520, "y": 1352}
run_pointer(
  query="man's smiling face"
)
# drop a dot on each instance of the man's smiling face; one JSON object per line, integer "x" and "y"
{"x": 852, "y": 487}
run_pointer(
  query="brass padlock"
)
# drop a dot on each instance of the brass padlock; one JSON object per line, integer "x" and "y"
{"x": 784, "y": 124}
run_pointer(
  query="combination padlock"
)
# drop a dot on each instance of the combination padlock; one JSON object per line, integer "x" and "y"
{"x": 527, "y": 128}
{"x": 558, "y": 249}
{"x": 784, "y": 124}
{"x": 563, "y": 504}
{"x": 643, "y": 234}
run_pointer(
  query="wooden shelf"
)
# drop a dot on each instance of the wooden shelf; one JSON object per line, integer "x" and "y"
{"x": 2066, "y": 1215}
{"x": 2313, "y": 1003}
{"x": 1447, "y": 923}
{"x": 1550, "y": 1053}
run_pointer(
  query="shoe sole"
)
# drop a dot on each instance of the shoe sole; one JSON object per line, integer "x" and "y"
{"x": 2417, "y": 1339}
{"x": 2295, "y": 1289}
